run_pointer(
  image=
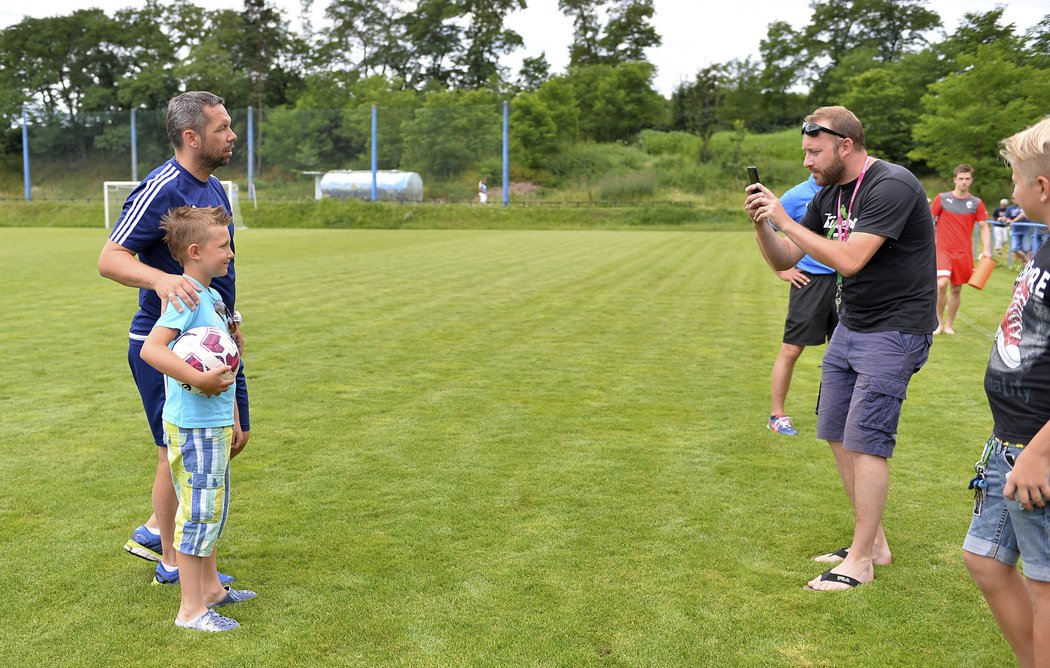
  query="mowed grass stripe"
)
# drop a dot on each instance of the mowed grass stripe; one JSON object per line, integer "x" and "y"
{"x": 483, "y": 448}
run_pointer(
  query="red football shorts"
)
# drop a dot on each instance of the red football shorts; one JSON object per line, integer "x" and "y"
{"x": 957, "y": 266}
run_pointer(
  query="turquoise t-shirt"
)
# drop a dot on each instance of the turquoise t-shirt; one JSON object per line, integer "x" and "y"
{"x": 182, "y": 407}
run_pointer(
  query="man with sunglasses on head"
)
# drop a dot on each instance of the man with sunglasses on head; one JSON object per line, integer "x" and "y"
{"x": 871, "y": 223}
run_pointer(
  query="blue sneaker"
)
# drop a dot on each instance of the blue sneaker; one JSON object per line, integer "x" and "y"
{"x": 234, "y": 596}
{"x": 210, "y": 621}
{"x": 781, "y": 424}
{"x": 144, "y": 544}
{"x": 170, "y": 576}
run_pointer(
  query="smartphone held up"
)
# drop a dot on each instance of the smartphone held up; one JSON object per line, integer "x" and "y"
{"x": 752, "y": 175}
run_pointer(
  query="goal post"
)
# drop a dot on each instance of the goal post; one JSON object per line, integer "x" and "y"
{"x": 114, "y": 194}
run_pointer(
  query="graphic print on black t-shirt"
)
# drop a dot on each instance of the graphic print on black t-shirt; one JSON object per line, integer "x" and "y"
{"x": 848, "y": 218}
{"x": 1017, "y": 380}
{"x": 1008, "y": 338}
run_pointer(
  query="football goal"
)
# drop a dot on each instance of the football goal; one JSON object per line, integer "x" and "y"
{"x": 116, "y": 192}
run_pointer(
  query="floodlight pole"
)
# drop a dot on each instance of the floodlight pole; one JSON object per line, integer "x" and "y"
{"x": 251, "y": 156}
{"x": 375, "y": 160}
{"x": 134, "y": 150}
{"x": 506, "y": 159}
{"x": 25, "y": 152}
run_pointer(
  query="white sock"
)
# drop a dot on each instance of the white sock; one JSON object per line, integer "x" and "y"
{"x": 155, "y": 532}
{"x": 169, "y": 568}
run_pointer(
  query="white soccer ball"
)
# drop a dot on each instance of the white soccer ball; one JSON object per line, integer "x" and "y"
{"x": 205, "y": 348}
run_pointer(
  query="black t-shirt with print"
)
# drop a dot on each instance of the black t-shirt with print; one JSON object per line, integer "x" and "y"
{"x": 897, "y": 288}
{"x": 1017, "y": 380}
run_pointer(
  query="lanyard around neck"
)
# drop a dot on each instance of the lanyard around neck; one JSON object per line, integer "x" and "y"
{"x": 843, "y": 226}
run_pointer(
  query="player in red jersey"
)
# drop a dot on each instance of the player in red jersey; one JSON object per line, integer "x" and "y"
{"x": 955, "y": 214}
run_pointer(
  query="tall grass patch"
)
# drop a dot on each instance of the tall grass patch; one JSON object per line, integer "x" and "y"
{"x": 631, "y": 186}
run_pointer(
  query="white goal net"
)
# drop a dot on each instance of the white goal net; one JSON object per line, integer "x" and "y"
{"x": 115, "y": 193}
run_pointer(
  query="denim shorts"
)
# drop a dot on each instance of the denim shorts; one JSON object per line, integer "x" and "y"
{"x": 1021, "y": 239}
{"x": 863, "y": 382}
{"x": 1004, "y": 530}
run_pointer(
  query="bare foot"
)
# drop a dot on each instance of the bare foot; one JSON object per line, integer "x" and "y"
{"x": 948, "y": 330}
{"x": 846, "y": 575}
{"x": 938, "y": 330}
{"x": 881, "y": 557}
{"x": 832, "y": 557}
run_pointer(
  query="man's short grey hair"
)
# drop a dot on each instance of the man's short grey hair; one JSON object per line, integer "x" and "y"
{"x": 186, "y": 112}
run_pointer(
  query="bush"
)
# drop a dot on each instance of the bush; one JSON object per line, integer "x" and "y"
{"x": 632, "y": 186}
{"x": 778, "y": 156}
{"x": 688, "y": 175}
{"x": 655, "y": 142}
{"x": 588, "y": 160}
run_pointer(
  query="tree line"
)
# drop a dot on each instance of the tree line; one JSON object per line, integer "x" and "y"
{"x": 929, "y": 97}
{"x": 925, "y": 103}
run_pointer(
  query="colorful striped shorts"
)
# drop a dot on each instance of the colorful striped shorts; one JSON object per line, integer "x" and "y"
{"x": 200, "y": 470}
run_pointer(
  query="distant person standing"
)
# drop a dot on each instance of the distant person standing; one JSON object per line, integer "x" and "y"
{"x": 955, "y": 214}
{"x": 1000, "y": 226}
{"x": 1021, "y": 236}
{"x": 811, "y": 316}
{"x": 483, "y": 191}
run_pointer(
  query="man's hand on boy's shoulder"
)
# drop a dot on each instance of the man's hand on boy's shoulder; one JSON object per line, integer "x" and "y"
{"x": 176, "y": 290}
{"x": 1029, "y": 482}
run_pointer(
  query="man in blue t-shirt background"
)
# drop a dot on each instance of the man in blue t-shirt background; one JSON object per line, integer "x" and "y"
{"x": 812, "y": 314}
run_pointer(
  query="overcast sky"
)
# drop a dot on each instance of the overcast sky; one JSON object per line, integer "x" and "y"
{"x": 695, "y": 34}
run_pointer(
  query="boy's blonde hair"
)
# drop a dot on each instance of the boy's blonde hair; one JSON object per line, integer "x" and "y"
{"x": 189, "y": 225}
{"x": 1028, "y": 151}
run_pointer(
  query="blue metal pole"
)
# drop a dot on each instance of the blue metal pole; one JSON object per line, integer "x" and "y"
{"x": 25, "y": 152}
{"x": 375, "y": 159}
{"x": 506, "y": 157}
{"x": 134, "y": 149}
{"x": 251, "y": 154}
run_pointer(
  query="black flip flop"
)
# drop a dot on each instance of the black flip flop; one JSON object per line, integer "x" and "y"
{"x": 829, "y": 576}
{"x": 840, "y": 553}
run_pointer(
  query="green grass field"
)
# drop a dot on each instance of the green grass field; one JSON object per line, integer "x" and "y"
{"x": 482, "y": 448}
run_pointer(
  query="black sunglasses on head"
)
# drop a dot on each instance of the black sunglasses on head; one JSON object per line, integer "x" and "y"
{"x": 813, "y": 129}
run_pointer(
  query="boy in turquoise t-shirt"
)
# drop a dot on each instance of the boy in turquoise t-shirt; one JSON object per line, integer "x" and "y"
{"x": 198, "y": 428}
